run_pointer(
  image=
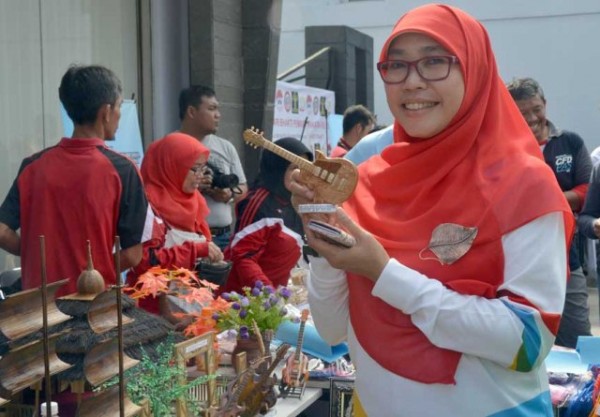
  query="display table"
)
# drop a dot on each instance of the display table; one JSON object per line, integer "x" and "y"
{"x": 291, "y": 407}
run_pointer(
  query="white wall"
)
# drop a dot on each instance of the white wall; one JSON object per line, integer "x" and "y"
{"x": 554, "y": 41}
{"x": 39, "y": 40}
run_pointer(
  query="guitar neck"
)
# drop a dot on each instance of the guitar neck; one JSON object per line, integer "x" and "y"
{"x": 244, "y": 380}
{"x": 300, "y": 341}
{"x": 288, "y": 156}
{"x": 278, "y": 357}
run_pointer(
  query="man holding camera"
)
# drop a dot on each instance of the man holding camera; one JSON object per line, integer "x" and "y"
{"x": 224, "y": 182}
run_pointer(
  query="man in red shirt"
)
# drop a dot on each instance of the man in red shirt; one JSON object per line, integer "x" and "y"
{"x": 358, "y": 122}
{"x": 78, "y": 190}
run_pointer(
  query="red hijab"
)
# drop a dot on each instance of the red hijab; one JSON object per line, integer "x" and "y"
{"x": 483, "y": 170}
{"x": 164, "y": 168}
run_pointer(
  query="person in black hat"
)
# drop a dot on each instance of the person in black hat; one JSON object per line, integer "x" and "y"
{"x": 267, "y": 240}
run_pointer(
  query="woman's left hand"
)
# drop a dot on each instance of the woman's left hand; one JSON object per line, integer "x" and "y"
{"x": 214, "y": 253}
{"x": 367, "y": 257}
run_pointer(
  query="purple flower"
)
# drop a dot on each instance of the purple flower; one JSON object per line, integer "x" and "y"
{"x": 234, "y": 295}
{"x": 243, "y": 313}
{"x": 285, "y": 292}
{"x": 268, "y": 289}
{"x": 256, "y": 291}
{"x": 216, "y": 316}
{"x": 267, "y": 305}
{"x": 244, "y": 334}
{"x": 258, "y": 284}
{"x": 244, "y": 302}
{"x": 273, "y": 300}
{"x": 226, "y": 296}
{"x": 236, "y": 306}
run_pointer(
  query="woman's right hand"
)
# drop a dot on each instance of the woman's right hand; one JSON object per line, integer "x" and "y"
{"x": 214, "y": 253}
{"x": 367, "y": 257}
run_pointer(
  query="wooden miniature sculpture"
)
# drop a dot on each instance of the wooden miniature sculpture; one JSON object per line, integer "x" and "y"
{"x": 230, "y": 401}
{"x": 259, "y": 395}
{"x": 295, "y": 372}
{"x": 332, "y": 179}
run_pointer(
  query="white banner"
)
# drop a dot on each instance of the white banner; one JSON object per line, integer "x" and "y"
{"x": 301, "y": 112}
{"x": 128, "y": 139}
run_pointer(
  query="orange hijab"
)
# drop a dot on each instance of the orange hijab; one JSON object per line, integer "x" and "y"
{"x": 164, "y": 168}
{"x": 484, "y": 170}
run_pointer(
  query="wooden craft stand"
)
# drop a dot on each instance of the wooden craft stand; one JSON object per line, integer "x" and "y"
{"x": 22, "y": 314}
{"x": 202, "y": 349}
{"x": 100, "y": 361}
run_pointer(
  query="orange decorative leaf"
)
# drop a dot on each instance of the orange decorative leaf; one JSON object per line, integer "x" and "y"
{"x": 208, "y": 284}
{"x": 153, "y": 284}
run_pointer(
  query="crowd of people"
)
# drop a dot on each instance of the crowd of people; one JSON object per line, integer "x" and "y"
{"x": 463, "y": 274}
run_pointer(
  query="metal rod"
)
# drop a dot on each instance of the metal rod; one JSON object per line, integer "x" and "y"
{"x": 45, "y": 340}
{"x": 302, "y": 63}
{"x": 303, "y": 128}
{"x": 298, "y": 78}
{"x": 118, "y": 288}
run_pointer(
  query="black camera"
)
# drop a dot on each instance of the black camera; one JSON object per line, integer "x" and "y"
{"x": 222, "y": 180}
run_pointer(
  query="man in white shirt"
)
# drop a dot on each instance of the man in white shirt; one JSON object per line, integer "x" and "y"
{"x": 200, "y": 116}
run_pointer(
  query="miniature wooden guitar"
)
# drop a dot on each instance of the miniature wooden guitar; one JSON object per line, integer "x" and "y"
{"x": 230, "y": 402}
{"x": 295, "y": 372}
{"x": 255, "y": 397}
{"x": 332, "y": 179}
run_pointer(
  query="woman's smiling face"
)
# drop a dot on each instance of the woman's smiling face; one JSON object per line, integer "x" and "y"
{"x": 423, "y": 108}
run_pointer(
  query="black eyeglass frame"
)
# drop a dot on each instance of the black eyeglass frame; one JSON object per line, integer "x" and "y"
{"x": 198, "y": 170}
{"x": 453, "y": 59}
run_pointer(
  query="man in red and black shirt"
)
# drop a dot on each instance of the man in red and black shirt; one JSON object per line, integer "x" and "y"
{"x": 566, "y": 154}
{"x": 77, "y": 190}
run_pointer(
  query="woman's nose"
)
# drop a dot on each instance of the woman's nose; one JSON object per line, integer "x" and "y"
{"x": 414, "y": 79}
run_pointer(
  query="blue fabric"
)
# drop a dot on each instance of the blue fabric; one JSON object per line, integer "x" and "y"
{"x": 540, "y": 406}
{"x": 530, "y": 349}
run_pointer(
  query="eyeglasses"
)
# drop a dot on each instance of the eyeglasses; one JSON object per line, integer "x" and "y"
{"x": 198, "y": 170}
{"x": 430, "y": 68}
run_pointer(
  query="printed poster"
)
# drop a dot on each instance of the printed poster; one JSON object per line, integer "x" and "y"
{"x": 301, "y": 112}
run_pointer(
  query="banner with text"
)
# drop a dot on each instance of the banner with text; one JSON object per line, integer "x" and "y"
{"x": 128, "y": 138}
{"x": 301, "y": 112}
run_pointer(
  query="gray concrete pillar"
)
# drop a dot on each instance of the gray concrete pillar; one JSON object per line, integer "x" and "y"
{"x": 347, "y": 69}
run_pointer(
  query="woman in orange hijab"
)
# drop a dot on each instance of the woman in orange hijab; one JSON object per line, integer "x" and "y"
{"x": 452, "y": 295}
{"x": 172, "y": 170}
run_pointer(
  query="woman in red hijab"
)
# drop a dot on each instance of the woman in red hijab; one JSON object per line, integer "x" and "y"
{"x": 451, "y": 297}
{"x": 172, "y": 170}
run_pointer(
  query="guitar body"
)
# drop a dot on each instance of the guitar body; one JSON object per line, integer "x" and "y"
{"x": 295, "y": 372}
{"x": 333, "y": 179}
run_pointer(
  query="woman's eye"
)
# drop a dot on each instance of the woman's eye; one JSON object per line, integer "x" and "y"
{"x": 435, "y": 61}
{"x": 396, "y": 65}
